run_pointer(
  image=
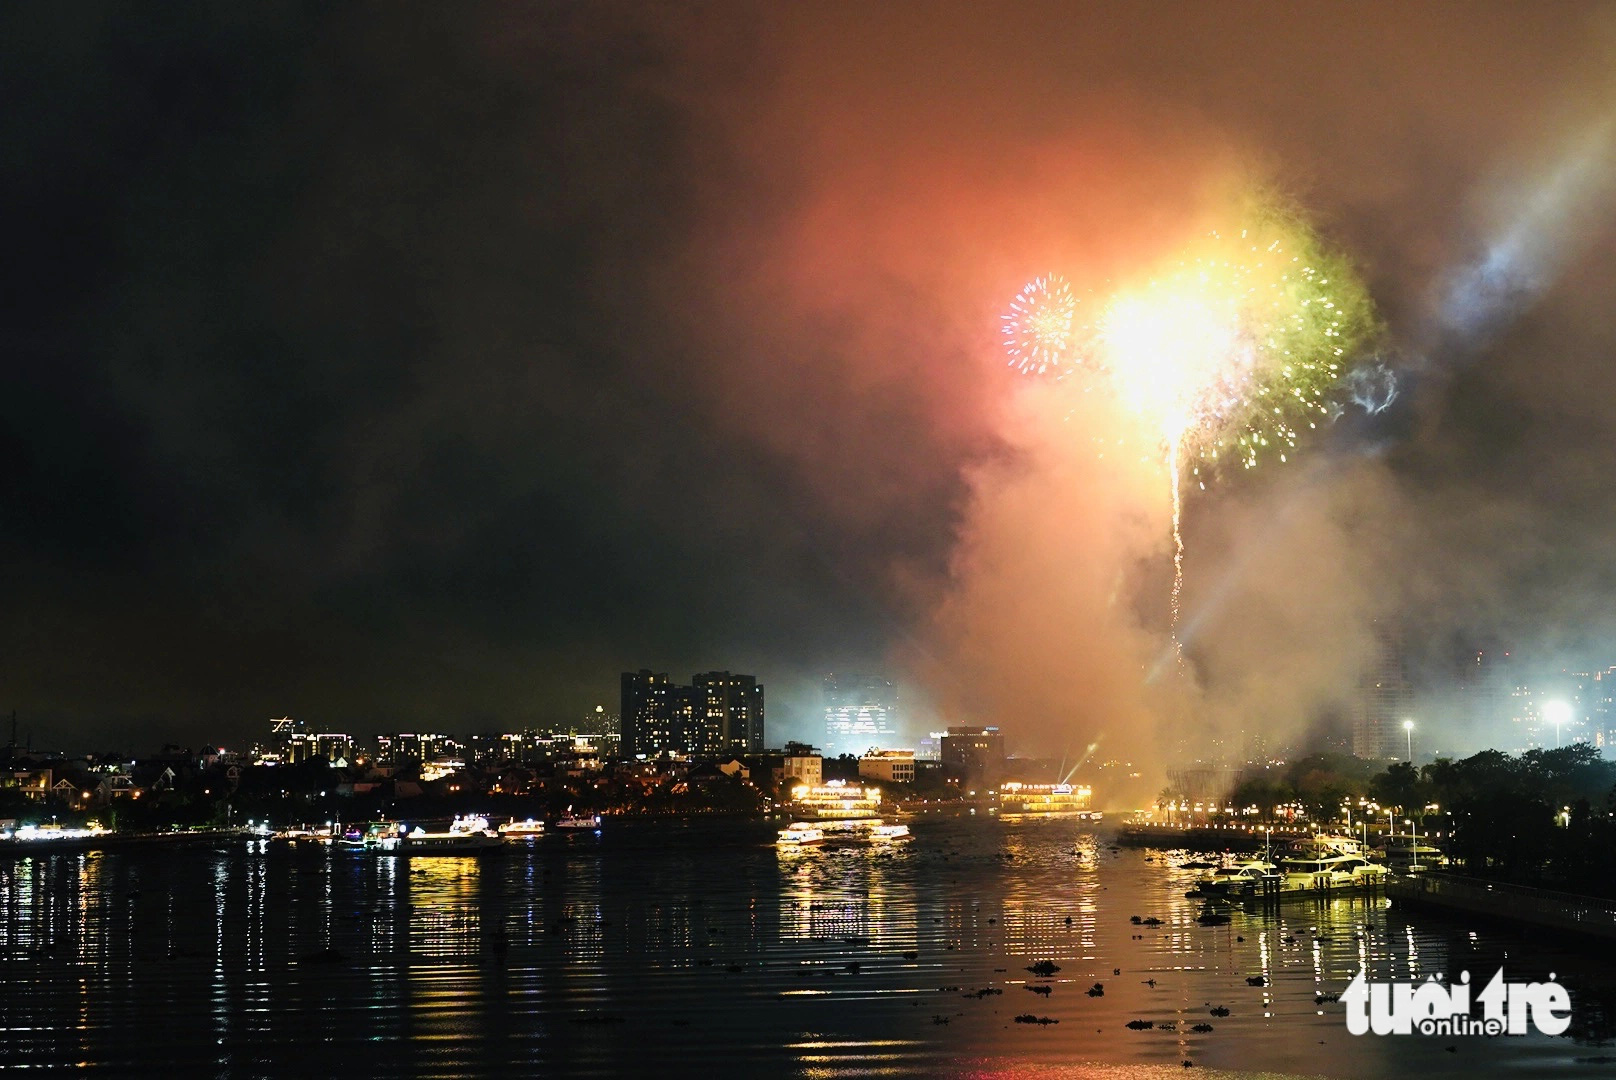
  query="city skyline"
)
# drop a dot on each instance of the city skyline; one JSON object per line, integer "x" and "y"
{"x": 576, "y": 386}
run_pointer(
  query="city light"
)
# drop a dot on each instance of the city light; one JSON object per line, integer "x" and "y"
{"x": 1557, "y": 712}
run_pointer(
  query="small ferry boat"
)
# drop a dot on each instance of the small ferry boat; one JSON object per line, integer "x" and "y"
{"x": 522, "y": 829}
{"x": 800, "y": 834}
{"x": 890, "y": 834}
{"x": 569, "y": 820}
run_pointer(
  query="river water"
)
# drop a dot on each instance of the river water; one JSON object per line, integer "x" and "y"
{"x": 671, "y": 948}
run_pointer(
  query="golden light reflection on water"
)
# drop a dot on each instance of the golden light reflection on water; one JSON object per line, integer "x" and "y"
{"x": 674, "y": 949}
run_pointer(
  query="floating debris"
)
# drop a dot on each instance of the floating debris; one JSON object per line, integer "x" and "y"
{"x": 1201, "y": 1029}
{"x": 1141, "y": 1025}
{"x": 1044, "y": 990}
{"x": 1044, "y": 967}
{"x": 1218, "y": 1010}
{"x": 1097, "y": 990}
{"x": 1029, "y": 1018}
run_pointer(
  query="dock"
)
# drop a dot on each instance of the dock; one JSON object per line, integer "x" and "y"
{"x": 1523, "y": 905}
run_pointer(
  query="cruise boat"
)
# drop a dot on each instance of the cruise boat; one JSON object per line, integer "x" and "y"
{"x": 569, "y": 820}
{"x": 889, "y": 834}
{"x": 465, "y": 836}
{"x": 522, "y": 829}
{"x": 801, "y": 834}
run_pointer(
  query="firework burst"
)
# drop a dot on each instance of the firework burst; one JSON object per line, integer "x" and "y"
{"x": 1038, "y": 329}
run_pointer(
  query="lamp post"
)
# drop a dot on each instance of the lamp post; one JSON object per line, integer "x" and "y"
{"x": 1408, "y": 729}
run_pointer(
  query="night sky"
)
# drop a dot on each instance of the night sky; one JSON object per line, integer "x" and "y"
{"x": 427, "y": 365}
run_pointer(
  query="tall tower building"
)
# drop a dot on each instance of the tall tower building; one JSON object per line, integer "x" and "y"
{"x": 861, "y": 711}
{"x": 1383, "y": 699}
{"x": 732, "y": 707}
{"x": 647, "y": 713}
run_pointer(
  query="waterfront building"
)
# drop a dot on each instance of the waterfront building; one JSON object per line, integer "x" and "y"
{"x": 802, "y": 766}
{"x": 888, "y": 766}
{"x": 860, "y": 711}
{"x": 976, "y": 753}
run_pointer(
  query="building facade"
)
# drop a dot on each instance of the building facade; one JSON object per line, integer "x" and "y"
{"x": 888, "y": 766}
{"x": 1383, "y": 699}
{"x": 718, "y": 713}
{"x": 976, "y": 753}
{"x": 861, "y": 713}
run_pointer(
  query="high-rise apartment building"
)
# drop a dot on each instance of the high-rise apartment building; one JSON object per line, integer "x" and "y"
{"x": 733, "y": 711}
{"x": 647, "y": 713}
{"x": 718, "y": 713}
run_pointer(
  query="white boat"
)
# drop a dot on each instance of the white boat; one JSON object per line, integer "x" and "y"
{"x": 465, "y": 836}
{"x": 890, "y": 833}
{"x": 1242, "y": 878}
{"x": 1413, "y": 856}
{"x": 569, "y": 820}
{"x": 1329, "y": 872}
{"x": 800, "y": 834}
{"x": 520, "y": 829}
{"x": 1323, "y": 846}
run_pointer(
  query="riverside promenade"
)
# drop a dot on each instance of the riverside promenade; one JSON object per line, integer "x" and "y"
{"x": 1590, "y": 916}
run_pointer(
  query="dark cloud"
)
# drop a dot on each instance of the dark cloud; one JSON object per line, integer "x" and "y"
{"x": 430, "y": 365}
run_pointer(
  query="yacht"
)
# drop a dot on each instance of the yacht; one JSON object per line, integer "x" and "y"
{"x": 800, "y": 834}
{"x": 1329, "y": 871}
{"x": 1406, "y": 854}
{"x": 1242, "y": 878}
{"x": 1324, "y": 846}
{"x": 465, "y": 836}
{"x": 522, "y": 829}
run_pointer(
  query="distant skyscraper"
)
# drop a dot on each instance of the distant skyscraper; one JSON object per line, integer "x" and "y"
{"x": 646, "y": 713}
{"x": 861, "y": 711}
{"x": 1383, "y": 699}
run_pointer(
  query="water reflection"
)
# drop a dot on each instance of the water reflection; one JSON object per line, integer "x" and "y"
{"x": 669, "y": 944}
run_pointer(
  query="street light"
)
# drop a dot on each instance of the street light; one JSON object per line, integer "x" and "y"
{"x": 1408, "y": 729}
{"x": 1557, "y": 713}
